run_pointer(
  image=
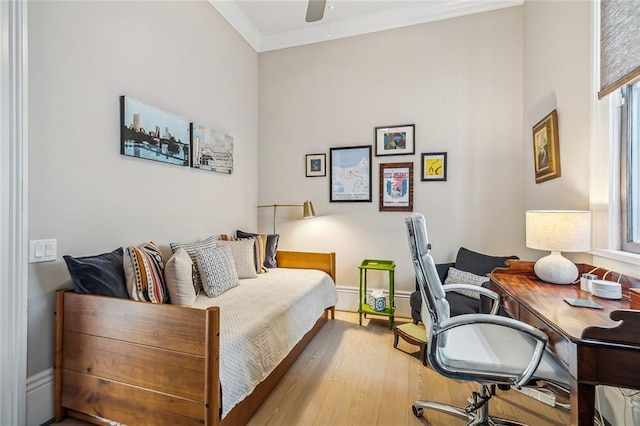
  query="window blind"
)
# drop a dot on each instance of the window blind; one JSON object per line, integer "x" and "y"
{"x": 619, "y": 44}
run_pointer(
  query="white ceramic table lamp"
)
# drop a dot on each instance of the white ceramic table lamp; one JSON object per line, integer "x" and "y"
{"x": 558, "y": 231}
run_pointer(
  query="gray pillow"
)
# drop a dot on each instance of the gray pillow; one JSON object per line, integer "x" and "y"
{"x": 217, "y": 270}
{"x": 455, "y": 276}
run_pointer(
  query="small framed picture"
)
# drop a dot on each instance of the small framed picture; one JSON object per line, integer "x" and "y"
{"x": 396, "y": 187}
{"x": 546, "y": 148}
{"x": 316, "y": 165}
{"x": 434, "y": 166}
{"x": 395, "y": 140}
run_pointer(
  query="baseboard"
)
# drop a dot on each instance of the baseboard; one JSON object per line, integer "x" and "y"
{"x": 348, "y": 301}
{"x": 40, "y": 398}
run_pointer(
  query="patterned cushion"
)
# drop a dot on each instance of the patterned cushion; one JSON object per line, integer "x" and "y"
{"x": 100, "y": 274}
{"x": 217, "y": 269}
{"x": 270, "y": 249}
{"x": 144, "y": 272}
{"x": 455, "y": 276}
{"x": 192, "y": 248}
{"x": 178, "y": 275}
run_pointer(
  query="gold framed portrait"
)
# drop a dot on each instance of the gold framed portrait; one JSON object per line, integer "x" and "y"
{"x": 546, "y": 148}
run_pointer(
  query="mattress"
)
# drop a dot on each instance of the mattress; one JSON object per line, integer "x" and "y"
{"x": 261, "y": 320}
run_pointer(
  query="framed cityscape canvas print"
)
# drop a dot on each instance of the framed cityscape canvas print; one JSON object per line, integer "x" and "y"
{"x": 150, "y": 133}
{"x": 396, "y": 187}
{"x": 212, "y": 149}
{"x": 395, "y": 140}
{"x": 350, "y": 177}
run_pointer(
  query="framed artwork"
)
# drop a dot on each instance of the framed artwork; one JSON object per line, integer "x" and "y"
{"x": 395, "y": 140}
{"x": 396, "y": 187}
{"x": 212, "y": 150}
{"x": 150, "y": 133}
{"x": 546, "y": 148}
{"x": 350, "y": 176}
{"x": 316, "y": 165}
{"x": 434, "y": 166}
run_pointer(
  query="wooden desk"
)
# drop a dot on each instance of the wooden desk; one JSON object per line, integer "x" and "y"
{"x": 598, "y": 347}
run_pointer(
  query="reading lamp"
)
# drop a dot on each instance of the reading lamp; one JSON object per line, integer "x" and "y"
{"x": 307, "y": 210}
{"x": 558, "y": 231}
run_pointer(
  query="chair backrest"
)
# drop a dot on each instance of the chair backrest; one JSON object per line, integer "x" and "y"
{"x": 433, "y": 296}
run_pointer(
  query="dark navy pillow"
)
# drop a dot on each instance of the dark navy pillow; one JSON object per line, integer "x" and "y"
{"x": 101, "y": 274}
{"x": 478, "y": 263}
{"x": 272, "y": 247}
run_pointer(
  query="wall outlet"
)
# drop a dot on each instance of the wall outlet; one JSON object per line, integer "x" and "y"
{"x": 43, "y": 250}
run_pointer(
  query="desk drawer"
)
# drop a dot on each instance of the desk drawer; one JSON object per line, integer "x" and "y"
{"x": 561, "y": 347}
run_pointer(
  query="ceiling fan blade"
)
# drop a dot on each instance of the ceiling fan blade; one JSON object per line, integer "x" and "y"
{"x": 315, "y": 10}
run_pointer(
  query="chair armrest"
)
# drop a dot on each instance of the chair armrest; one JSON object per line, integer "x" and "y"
{"x": 474, "y": 319}
{"x": 477, "y": 289}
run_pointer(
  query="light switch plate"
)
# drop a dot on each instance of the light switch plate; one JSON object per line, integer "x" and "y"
{"x": 43, "y": 250}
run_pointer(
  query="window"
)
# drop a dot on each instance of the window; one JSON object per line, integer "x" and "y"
{"x": 630, "y": 168}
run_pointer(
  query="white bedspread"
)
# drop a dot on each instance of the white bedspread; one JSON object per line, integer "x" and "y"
{"x": 261, "y": 320}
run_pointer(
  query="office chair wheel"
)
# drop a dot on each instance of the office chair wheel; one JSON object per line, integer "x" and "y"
{"x": 417, "y": 411}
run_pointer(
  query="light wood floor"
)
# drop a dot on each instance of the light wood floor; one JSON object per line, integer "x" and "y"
{"x": 352, "y": 375}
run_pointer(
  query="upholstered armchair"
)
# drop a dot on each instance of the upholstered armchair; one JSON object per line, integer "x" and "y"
{"x": 470, "y": 267}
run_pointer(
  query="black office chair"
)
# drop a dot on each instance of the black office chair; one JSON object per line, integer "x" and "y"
{"x": 483, "y": 348}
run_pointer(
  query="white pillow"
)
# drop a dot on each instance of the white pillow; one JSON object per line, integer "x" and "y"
{"x": 178, "y": 275}
{"x": 243, "y": 256}
{"x": 192, "y": 248}
{"x": 456, "y": 276}
{"x": 217, "y": 270}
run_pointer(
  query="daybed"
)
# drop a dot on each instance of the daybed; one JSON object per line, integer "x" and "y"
{"x": 137, "y": 363}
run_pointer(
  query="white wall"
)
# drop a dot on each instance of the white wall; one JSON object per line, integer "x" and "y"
{"x": 182, "y": 57}
{"x": 459, "y": 81}
{"x": 557, "y": 75}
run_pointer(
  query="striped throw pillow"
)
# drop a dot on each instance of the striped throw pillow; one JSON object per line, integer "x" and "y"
{"x": 144, "y": 273}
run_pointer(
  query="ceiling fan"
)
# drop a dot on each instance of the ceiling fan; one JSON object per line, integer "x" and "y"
{"x": 315, "y": 10}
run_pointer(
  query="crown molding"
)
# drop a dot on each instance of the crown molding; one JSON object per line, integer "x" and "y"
{"x": 428, "y": 12}
{"x": 239, "y": 21}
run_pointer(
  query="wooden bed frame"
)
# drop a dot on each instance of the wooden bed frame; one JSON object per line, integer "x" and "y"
{"x": 140, "y": 363}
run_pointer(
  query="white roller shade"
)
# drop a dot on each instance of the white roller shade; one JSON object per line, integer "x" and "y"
{"x": 619, "y": 44}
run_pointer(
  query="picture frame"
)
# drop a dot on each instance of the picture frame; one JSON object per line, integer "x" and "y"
{"x": 434, "y": 166}
{"x": 350, "y": 176}
{"x": 316, "y": 165}
{"x": 395, "y": 140}
{"x": 396, "y": 187}
{"x": 546, "y": 148}
{"x": 153, "y": 134}
{"x": 211, "y": 149}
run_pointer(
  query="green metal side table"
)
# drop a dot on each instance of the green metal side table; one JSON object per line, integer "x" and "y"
{"x": 364, "y": 308}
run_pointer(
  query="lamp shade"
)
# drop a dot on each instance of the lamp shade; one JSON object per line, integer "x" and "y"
{"x": 307, "y": 210}
{"x": 558, "y": 230}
